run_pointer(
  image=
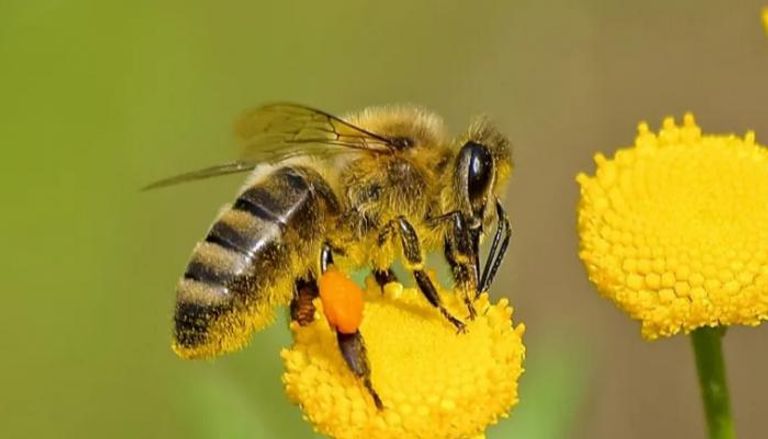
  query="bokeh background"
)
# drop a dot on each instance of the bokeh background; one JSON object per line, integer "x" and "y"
{"x": 99, "y": 98}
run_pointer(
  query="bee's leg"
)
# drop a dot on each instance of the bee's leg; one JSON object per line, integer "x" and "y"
{"x": 415, "y": 263}
{"x": 352, "y": 346}
{"x": 302, "y": 308}
{"x": 384, "y": 277}
{"x": 461, "y": 251}
{"x": 498, "y": 248}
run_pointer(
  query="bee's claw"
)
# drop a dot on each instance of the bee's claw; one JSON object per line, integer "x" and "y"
{"x": 461, "y": 327}
{"x": 374, "y": 395}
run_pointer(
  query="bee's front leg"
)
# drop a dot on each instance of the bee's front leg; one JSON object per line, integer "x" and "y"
{"x": 498, "y": 248}
{"x": 462, "y": 248}
{"x": 461, "y": 251}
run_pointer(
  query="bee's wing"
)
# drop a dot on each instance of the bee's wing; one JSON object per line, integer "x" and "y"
{"x": 201, "y": 174}
{"x": 283, "y": 129}
{"x": 275, "y": 132}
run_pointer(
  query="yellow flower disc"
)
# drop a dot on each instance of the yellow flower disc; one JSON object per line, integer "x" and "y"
{"x": 765, "y": 18}
{"x": 674, "y": 229}
{"x": 434, "y": 383}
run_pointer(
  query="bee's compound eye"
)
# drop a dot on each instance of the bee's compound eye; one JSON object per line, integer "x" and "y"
{"x": 342, "y": 301}
{"x": 480, "y": 170}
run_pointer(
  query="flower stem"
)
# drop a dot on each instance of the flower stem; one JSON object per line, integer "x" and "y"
{"x": 708, "y": 349}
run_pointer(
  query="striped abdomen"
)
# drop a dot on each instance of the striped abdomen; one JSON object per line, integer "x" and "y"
{"x": 248, "y": 261}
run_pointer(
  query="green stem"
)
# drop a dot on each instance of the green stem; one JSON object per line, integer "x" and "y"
{"x": 708, "y": 349}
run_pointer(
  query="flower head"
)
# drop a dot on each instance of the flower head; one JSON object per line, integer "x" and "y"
{"x": 673, "y": 229}
{"x": 433, "y": 382}
{"x": 765, "y": 18}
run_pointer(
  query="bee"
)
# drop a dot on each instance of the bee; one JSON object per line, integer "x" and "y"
{"x": 328, "y": 195}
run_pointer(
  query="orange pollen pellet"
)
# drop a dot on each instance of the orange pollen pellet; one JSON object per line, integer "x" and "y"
{"x": 342, "y": 301}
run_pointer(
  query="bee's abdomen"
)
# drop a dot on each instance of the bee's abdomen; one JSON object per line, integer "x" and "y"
{"x": 245, "y": 264}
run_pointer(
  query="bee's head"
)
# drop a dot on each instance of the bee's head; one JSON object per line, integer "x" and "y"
{"x": 482, "y": 166}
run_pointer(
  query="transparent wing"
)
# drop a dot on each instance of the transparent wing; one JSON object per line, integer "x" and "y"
{"x": 201, "y": 174}
{"x": 275, "y": 132}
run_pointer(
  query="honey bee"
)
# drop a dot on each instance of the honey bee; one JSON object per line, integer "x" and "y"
{"x": 326, "y": 192}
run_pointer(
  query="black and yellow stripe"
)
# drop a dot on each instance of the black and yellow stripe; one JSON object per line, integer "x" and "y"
{"x": 246, "y": 252}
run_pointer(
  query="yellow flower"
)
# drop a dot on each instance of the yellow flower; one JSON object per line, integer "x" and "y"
{"x": 433, "y": 382}
{"x": 674, "y": 229}
{"x": 765, "y": 18}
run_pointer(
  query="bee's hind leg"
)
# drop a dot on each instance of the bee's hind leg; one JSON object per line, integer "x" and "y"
{"x": 353, "y": 351}
{"x": 415, "y": 263}
{"x": 352, "y": 346}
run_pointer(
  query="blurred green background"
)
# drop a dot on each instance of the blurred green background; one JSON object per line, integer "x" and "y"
{"x": 99, "y": 98}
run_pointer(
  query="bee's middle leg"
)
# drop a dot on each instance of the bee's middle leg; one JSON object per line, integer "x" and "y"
{"x": 415, "y": 263}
